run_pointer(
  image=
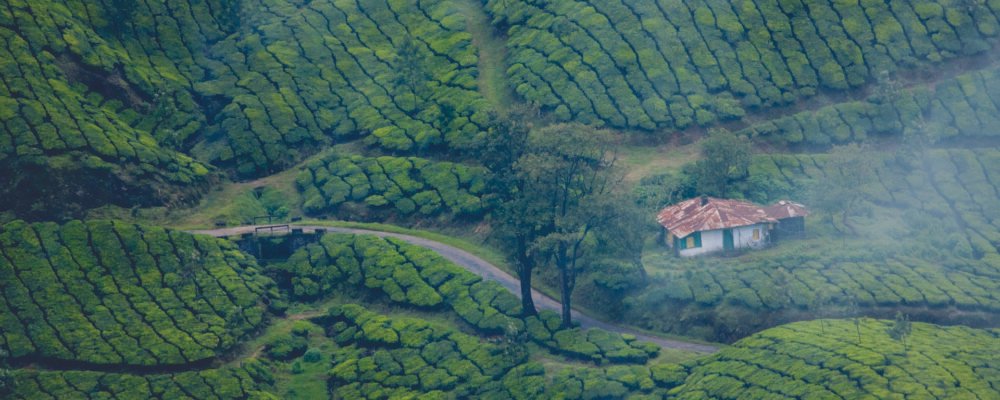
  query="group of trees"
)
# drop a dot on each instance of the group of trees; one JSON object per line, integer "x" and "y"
{"x": 824, "y": 359}
{"x": 560, "y": 198}
{"x": 406, "y": 185}
{"x": 670, "y": 64}
{"x": 111, "y": 293}
{"x": 963, "y": 107}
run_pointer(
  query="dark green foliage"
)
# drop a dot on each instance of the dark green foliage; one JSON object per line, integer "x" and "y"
{"x": 286, "y": 347}
{"x": 823, "y": 359}
{"x": 112, "y": 293}
{"x": 672, "y": 64}
{"x": 404, "y": 185}
{"x": 248, "y": 382}
{"x": 725, "y": 163}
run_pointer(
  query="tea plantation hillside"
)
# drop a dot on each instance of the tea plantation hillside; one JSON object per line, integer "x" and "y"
{"x": 125, "y": 96}
{"x": 844, "y": 359}
{"x": 928, "y": 244}
{"x": 107, "y": 293}
{"x": 673, "y": 64}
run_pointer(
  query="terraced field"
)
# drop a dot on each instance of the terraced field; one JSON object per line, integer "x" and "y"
{"x": 672, "y": 64}
{"x": 836, "y": 359}
{"x": 107, "y": 293}
{"x": 405, "y": 185}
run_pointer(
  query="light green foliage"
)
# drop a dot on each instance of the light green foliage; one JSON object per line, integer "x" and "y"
{"x": 112, "y": 293}
{"x": 670, "y": 63}
{"x": 405, "y": 185}
{"x": 247, "y": 382}
{"x": 825, "y": 359}
{"x": 963, "y": 107}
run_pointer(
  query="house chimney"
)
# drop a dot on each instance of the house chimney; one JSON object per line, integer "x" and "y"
{"x": 704, "y": 200}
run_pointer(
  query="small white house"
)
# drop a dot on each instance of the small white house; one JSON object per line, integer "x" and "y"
{"x": 704, "y": 225}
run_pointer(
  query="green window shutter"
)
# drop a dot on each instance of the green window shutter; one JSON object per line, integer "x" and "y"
{"x": 681, "y": 243}
{"x": 697, "y": 239}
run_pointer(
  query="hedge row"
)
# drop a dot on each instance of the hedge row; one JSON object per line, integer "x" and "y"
{"x": 405, "y": 185}
{"x": 112, "y": 293}
{"x": 966, "y": 106}
{"x": 399, "y": 357}
{"x": 834, "y": 359}
{"x": 222, "y": 384}
{"x": 936, "y": 248}
{"x": 334, "y": 69}
{"x": 418, "y": 277}
{"x": 671, "y": 64}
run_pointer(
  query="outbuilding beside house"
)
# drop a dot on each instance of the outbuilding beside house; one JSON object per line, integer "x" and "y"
{"x": 706, "y": 224}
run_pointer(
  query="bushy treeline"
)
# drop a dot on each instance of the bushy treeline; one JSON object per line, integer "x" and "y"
{"x": 673, "y": 64}
{"x": 962, "y": 107}
{"x": 244, "y": 383}
{"x": 105, "y": 292}
{"x": 932, "y": 247}
{"x": 845, "y": 359}
{"x": 404, "y": 185}
{"x": 418, "y": 277}
{"x": 382, "y": 356}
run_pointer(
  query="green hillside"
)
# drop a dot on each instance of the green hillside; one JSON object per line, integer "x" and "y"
{"x": 486, "y": 138}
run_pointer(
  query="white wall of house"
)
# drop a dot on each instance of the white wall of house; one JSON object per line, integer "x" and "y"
{"x": 743, "y": 236}
{"x": 711, "y": 241}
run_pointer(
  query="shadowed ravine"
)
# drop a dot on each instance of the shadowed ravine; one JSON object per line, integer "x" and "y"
{"x": 486, "y": 271}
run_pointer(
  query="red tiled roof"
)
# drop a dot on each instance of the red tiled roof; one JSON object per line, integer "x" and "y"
{"x": 786, "y": 209}
{"x": 690, "y": 216}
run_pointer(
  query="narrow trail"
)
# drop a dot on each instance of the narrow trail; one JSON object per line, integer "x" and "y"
{"x": 486, "y": 270}
{"x": 491, "y": 48}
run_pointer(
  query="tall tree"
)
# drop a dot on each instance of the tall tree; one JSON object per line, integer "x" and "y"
{"x": 411, "y": 67}
{"x": 568, "y": 178}
{"x": 120, "y": 13}
{"x": 503, "y": 144}
{"x": 725, "y": 162}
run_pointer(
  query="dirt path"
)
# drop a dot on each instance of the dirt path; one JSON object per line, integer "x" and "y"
{"x": 487, "y": 271}
{"x": 492, "y": 51}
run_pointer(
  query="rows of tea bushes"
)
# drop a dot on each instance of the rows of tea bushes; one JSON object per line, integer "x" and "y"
{"x": 418, "y": 277}
{"x": 672, "y": 63}
{"x": 837, "y": 359}
{"x": 930, "y": 243}
{"x": 404, "y": 185}
{"x": 214, "y": 384}
{"x": 402, "y": 73}
{"x": 965, "y": 106}
{"x": 399, "y": 357}
{"x": 105, "y": 292}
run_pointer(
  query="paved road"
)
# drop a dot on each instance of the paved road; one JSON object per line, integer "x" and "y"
{"x": 487, "y": 271}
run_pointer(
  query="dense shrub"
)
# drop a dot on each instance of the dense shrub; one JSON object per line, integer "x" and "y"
{"x": 112, "y": 293}
{"x": 404, "y": 185}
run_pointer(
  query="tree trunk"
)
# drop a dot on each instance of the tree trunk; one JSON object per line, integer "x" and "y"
{"x": 524, "y": 269}
{"x": 565, "y": 294}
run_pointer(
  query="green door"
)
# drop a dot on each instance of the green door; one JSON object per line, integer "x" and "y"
{"x": 727, "y": 239}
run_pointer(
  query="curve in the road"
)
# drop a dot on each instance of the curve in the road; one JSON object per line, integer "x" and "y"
{"x": 486, "y": 271}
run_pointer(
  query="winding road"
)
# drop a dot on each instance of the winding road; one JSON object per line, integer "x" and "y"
{"x": 486, "y": 271}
